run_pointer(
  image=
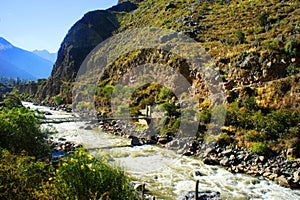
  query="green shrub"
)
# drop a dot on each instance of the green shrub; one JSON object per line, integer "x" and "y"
{"x": 83, "y": 176}
{"x": 170, "y": 108}
{"x": 278, "y": 122}
{"x": 250, "y": 103}
{"x": 224, "y": 139}
{"x": 205, "y": 115}
{"x": 232, "y": 114}
{"x": 12, "y": 101}
{"x": 165, "y": 94}
{"x": 21, "y": 177}
{"x": 262, "y": 19}
{"x": 292, "y": 69}
{"x": 58, "y": 100}
{"x": 19, "y": 131}
{"x": 255, "y": 136}
{"x": 240, "y": 35}
{"x": 259, "y": 148}
{"x": 260, "y": 30}
{"x": 273, "y": 45}
{"x": 292, "y": 47}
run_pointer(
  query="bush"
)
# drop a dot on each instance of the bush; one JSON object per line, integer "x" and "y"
{"x": 250, "y": 103}
{"x": 262, "y": 19}
{"x": 205, "y": 116}
{"x": 240, "y": 35}
{"x": 224, "y": 139}
{"x": 21, "y": 177}
{"x": 19, "y": 131}
{"x": 58, "y": 100}
{"x": 255, "y": 136}
{"x": 12, "y": 101}
{"x": 83, "y": 176}
{"x": 170, "y": 108}
{"x": 259, "y": 148}
{"x": 165, "y": 94}
{"x": 292, "y": 48}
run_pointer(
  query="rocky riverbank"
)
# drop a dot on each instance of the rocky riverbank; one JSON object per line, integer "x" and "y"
{"x": 275, "y": 167}
{"x": 237, "y": 160}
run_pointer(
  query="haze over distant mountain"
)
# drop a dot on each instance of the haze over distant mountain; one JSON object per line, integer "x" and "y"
{"x": 46, "y": 55}
{"x": 16, "y": 62}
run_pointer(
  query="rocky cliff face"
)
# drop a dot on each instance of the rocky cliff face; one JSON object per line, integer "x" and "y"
{"x": 92, "y": 29}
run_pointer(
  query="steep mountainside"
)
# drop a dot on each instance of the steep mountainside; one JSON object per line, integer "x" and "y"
{"x": 251, "y": 43}
{"x": 16, "y": 62}
{"x": 88, "y": 32}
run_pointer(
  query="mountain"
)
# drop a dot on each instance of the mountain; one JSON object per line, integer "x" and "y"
{"x": 83, "y": 36}
{"x": 46, "y": 55}
{"x": 252, "y": 45}
{"x": 16, "y": 62}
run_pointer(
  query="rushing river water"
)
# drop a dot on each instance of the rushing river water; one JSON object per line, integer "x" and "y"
{"x": 166, "y": 173}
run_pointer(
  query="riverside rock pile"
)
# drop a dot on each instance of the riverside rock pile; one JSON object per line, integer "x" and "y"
{"x": 61, "y": 147}
{"x": 236, "y": 160}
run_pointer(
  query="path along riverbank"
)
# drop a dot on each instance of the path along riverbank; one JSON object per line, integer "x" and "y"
{"x": 166, "y": 173}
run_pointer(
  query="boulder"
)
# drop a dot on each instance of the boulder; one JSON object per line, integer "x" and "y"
{"x": 197, "y": 173}
{"x": 296, "y": 176}
{"x": 164, "y": 140}
{"x": 282, "y": 181}
{"x": 139, "y": 186}
{"x": 210, "y": 161}
{"x": 227, "y": 152}
{"x": 151, "y": 139}
{"x": 88, "y": 128}
{"x": 62, "y": 139}
{"x": 47, "y": 113}
{"x": 135, "y": 141}
{"x": 261, "y": 158}
{"x": 168, "y": 37}
{"x": 232, "y": 157}
{"x": 224, "y": 161}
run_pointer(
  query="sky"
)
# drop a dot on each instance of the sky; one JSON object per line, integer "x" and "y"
{"x": 43, "y": 24}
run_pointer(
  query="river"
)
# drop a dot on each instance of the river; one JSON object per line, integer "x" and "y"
{"x": 164, "y": 172}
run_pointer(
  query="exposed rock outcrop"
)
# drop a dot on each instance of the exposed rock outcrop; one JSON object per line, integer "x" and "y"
{"x": 87, "y": 33}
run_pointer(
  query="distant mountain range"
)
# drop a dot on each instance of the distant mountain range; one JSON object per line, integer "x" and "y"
{"x": 16, "y": 62}
{"x": 46, "y": 55}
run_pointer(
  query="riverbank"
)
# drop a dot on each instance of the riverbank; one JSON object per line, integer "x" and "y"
{"x": 274, "y": 167}
{"x": 165, "y": 173}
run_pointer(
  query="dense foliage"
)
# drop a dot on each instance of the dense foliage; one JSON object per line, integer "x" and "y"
{"x": 83, "y": 176}
{"x": 27, "y": 173}
{"x": 263, "y": 129}
{"x": 19, "y": 132}
{"x": 80, "y": 176}
{"x": 22, "y": 177}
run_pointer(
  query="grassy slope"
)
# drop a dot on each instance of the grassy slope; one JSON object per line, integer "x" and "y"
{"x": 230, "y": 31}
{"x": 219, "y": 21}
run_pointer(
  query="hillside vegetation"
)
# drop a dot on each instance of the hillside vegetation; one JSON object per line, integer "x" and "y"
{"x": 27, "y": 172}
{"x": 255, "y": 46}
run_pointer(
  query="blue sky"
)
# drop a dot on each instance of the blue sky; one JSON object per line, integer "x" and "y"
{"x": 42, "y": 24}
